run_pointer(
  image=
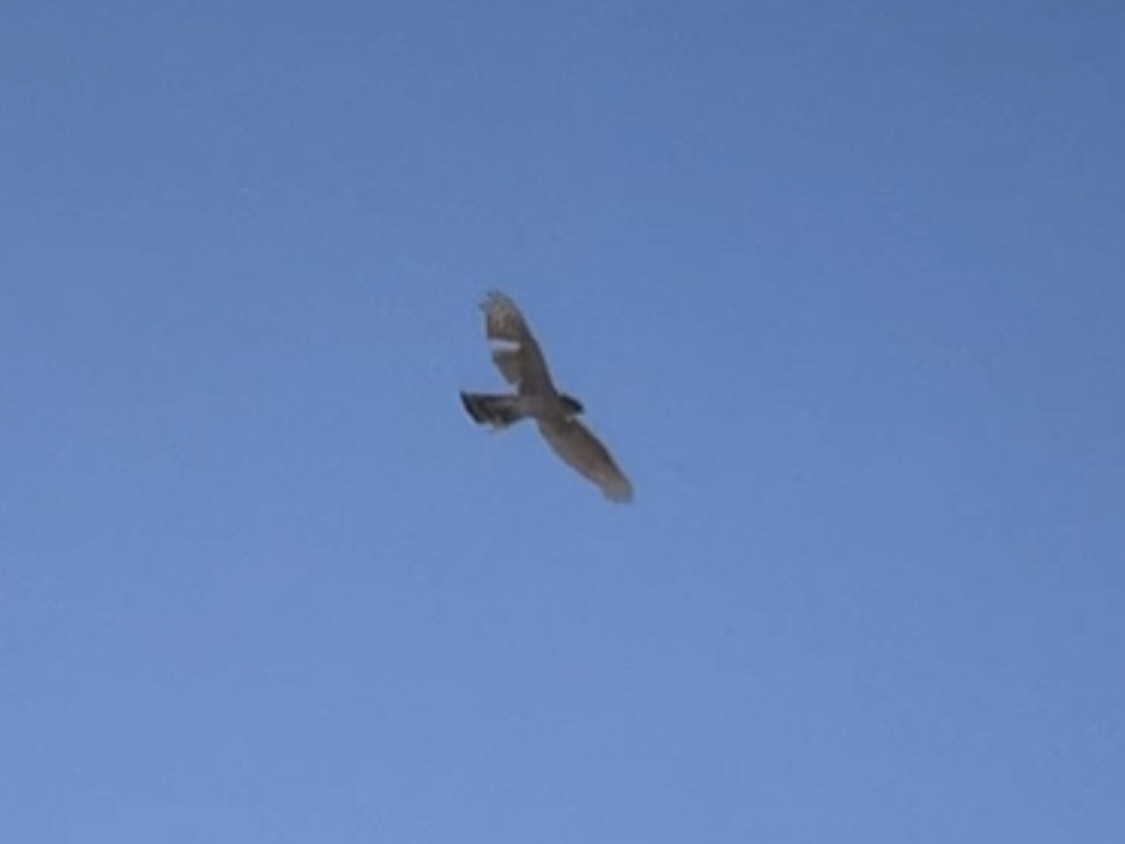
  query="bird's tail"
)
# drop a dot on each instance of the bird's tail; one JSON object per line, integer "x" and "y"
{"x": 496, "y": 410}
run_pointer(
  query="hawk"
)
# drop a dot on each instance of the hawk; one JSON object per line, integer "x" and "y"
{"x": 520, "y": 360}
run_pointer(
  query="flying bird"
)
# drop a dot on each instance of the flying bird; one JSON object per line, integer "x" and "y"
{"x": 517, "y": 355}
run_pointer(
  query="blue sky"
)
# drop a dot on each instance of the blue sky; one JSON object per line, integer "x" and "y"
{"x": 842, "y": 285}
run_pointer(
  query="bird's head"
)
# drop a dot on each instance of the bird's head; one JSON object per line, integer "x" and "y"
{"x": 573, "y": 406}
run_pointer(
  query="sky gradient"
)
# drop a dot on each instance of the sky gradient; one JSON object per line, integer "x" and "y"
{"x": 841, "y": 285}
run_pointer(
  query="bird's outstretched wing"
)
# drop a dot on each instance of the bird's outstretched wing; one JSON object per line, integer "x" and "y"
{"x": 516, "y": 352}
{"x": 575, "y": 444}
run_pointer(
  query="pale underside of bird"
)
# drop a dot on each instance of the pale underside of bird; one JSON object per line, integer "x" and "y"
{"x": 520, "y": 360}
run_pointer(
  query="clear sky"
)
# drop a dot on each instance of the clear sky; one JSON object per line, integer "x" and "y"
{"x": 841, "y": 284}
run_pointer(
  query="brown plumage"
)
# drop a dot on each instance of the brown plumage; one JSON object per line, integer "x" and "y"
{"x": 520, "y": 360}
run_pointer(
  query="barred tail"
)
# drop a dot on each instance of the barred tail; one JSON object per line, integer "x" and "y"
{"x": 485, "y": 409}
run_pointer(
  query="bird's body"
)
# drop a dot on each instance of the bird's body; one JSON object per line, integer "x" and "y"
{"x": 521, "y": 362}
{"x": 501, "y": 410}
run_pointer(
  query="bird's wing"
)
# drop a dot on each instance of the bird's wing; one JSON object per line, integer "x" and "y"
{"x": 575, "y": 444}
{"x": 517, "y": 354}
